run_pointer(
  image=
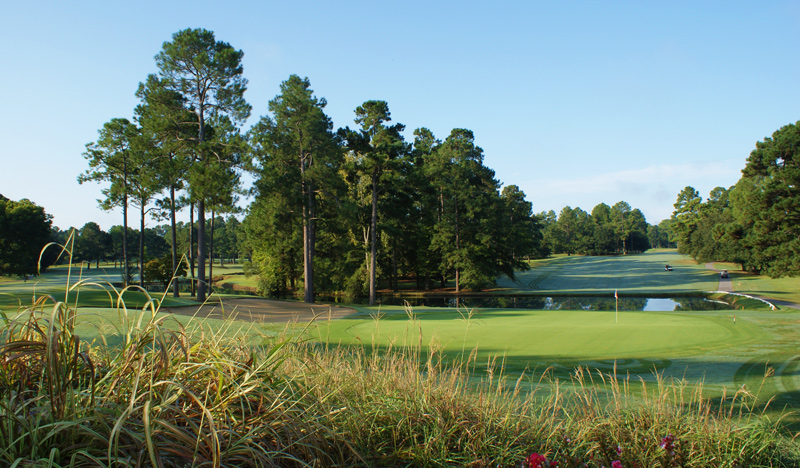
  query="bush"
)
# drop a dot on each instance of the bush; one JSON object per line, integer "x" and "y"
{"x": 160, "y": 270}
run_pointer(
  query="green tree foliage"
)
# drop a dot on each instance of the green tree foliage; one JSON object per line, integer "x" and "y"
{"x": 25, "y": 231}
{"x": 374, "y": 151}
{"x": 163, "y": 116}
{"x": 686, "y": 217}
{"x": 471, "y": 214}
{"x": 297, "y": 161}
{"x": 160, "y": 270}
{"x": 145, "y": 183}
{"x": 339, "y": 211}
{"x": 621, "y": 222}
{"x": 425, "y": 208}
{"x": 608, "y": 230}
{"x": 572, "y": 231}
{"x": 700, "y": 227}
{"x": 603, "y": 236}
{"x": 766, "y": 205}
{"x": 110, "y": 161}
{"x": 522, "y": 236}
{"x": 637, "y": 234}
{"x": 208, "y": 76}
{"x": 92, "y": 244}
{"x": 660, "y": 235}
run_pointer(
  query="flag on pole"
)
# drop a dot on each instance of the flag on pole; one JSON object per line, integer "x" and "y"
{"x": 616, "y": 307}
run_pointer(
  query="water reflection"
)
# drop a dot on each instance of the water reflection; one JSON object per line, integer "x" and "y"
{"x": 557, "y": 302}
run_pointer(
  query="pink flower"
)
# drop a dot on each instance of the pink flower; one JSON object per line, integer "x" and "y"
{"x": 616, "y": 464}
{"x": 536, "y": 461}
{"x": 667, "y": 443}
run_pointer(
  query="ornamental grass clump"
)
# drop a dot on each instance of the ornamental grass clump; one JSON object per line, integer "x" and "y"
{"x": 168, "y": 395}
{"x": 401, "y": 408}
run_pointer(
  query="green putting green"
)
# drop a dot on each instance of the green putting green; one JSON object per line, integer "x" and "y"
{"x": 525, "y": 338}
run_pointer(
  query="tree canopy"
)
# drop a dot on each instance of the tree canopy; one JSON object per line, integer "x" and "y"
{"x": 25, "y": 231}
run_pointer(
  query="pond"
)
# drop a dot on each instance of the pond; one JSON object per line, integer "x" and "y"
{"x": 554, "y": 302}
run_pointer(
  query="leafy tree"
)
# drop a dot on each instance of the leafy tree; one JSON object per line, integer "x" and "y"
{"x": 471, "y": 217}
{"x": 523, "y": 237}
{"x": 155, "y": 245}
{"x": 766, "y": 205}
{"x": 703, "y": 230}
{"x": 25, "y": 231}
{"x": 426, "y": 206}
{"x": 163, "y": 116}
{"x": 572, "y": 230}
{"x": 297, "y": 158}
{"x": 621, "y": 220}
{"x": 686, "y": 217}
{"x": 549, "y": 230}
{"x": 375, "y": 149}
{"x": 208, "y": 75}
{"x": 160, "y": 270}
{"x": 144, "y": 183}
{"x": 604, "y": 240}
{"x": 660, "y": 234}
{"x": 109, "y": 161}
{"x": 92, "y": 243}
{"x": 637, "y": 234}
{"x": 51, "y": 256}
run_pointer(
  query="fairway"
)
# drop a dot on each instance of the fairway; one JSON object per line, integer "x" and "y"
{"x": 633, "y": 274}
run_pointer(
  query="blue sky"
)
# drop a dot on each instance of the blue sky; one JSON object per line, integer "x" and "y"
{"x": 576, "y": 102}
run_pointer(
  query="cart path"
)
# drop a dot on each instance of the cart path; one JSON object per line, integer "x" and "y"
{"x": 726, "y": 285}
{"x": 263, "y": 310}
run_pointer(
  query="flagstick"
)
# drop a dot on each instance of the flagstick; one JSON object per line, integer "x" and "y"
{"x": 616, "y": 307}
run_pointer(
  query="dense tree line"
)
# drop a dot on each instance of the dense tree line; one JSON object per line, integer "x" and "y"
{"x": 608, "y": 230}
{"x": 346, "y": 210}
{"x": 333, "y": 209}
{"x": 755, "y": 222}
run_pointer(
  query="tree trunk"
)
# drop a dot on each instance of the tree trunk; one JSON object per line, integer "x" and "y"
{"x": 191, "y": 248}
{"x": 312, "y": 238}
{"x": 201, "y": 250}
{"x": 211, "y": 255}
{"x": 458, "y": 253}
{"x": 395, "y": 283}
{"x": 201, "y": 212}
{"x": 175, "y": 281}
{"x": 141, "y": 247}
{"x": 126, "y": 270}
{"x": 373, "y": 226}
{"x": 308, "y": 236}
